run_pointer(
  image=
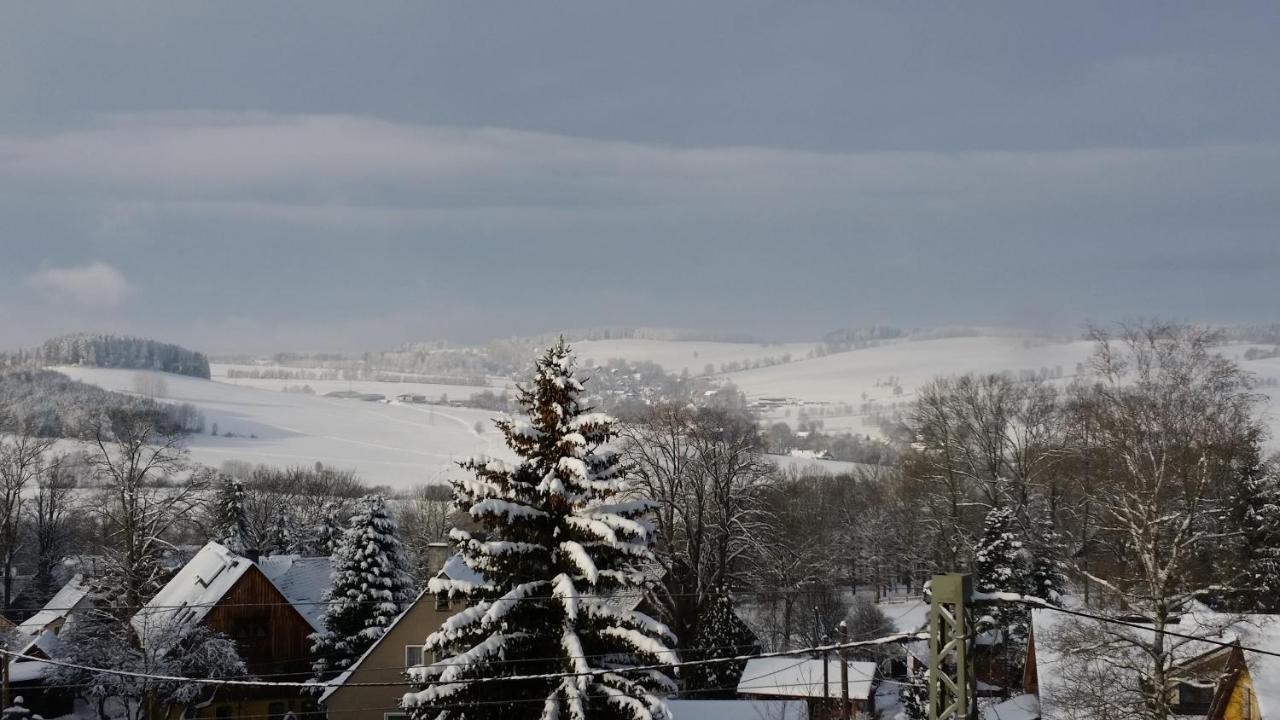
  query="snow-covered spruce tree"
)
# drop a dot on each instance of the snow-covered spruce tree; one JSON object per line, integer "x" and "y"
{"x": 1048, "y": 579}
{"x": 1002, "y": 566}
{"x": 915, "y": 695}
{"x": 720, "y": 634}
{"x": 230, "y": 515}
{"x": 561, "y": 555}
{"x": 1258, "y": 503}
{"x": 371, "y": 585}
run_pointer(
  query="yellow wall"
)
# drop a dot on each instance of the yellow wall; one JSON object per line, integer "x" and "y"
{"x": 385, "y": 664}
{"x": 1240, "y": 695}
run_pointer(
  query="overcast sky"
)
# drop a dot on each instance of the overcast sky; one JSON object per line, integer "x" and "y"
{"x": 316, "y": 175}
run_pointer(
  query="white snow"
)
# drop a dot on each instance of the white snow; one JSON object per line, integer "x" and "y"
{"x": 738, "y": 709}
{"x": 801, "y": 677}
{"x": 63, "y": 602}
{"x": 395, "y": 445}
{"x": 302, "y": 580}
{"x": 1019, "y": 707}
{"x": 678, "y": 356}
{"x": 193, "y": 592}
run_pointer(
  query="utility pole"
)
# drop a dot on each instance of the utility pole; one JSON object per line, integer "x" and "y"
{"x": 843, "y": 628}
{"x": 952, "y": 687}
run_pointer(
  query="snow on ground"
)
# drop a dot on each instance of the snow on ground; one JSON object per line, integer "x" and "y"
{"x": 1267, "y": 372}
{"x": 846, "y": 377}
{"x": 386, "y": 444}
{"x": 678, "y": 356}
{"x": 433, "y": 391}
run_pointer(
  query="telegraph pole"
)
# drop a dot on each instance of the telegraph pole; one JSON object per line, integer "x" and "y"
{"x": 952, "y": 686}
{"x": 843, "y": 628}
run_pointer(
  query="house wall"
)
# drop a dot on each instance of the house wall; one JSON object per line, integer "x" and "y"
{"x": 1243, "y": 703}
{"x": 385, "y": 663}
{"x": 272, "y": 637}
{"x": 271, "y": 634}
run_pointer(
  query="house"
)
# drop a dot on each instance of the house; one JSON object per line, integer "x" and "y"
{"x": 399, "y": 649}
{"x": 1250, "y": 683}
{"x": 802, "y": 678}
{"x": 39, "y": 636}
{"x": 70, "y": 597}
{"x": 234, "y": 595}
{"x": 1213, "y": 675}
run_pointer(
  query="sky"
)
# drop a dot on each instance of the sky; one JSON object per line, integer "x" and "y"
{"x": 253, "y": 177}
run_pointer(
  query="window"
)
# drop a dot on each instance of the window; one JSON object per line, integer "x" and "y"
{"x": 223, "y": 712}
{"x": 412, "y": 655}
{"x": 395, "y": 716}
{"x": 276, "y": 711}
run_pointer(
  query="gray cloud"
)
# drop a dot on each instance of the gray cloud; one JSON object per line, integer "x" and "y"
{"x": 95, "y": 286}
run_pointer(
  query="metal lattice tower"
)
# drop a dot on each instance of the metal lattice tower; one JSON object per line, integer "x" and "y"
{"x": 951, "y": 679}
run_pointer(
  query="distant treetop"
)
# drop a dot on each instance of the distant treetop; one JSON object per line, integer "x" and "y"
{"x": 113, "y": 351}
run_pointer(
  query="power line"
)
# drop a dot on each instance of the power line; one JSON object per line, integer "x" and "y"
{"x": 231, "y": 682}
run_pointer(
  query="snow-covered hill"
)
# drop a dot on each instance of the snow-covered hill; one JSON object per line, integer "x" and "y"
{"x": 390, "y": 444}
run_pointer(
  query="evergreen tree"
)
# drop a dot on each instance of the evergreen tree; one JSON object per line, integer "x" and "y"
{"x": 1258, "y": 512}
{"x": 231, "y": 516}
{"x": 561, "y": 555}
{"x": 329, "y": 531}
{"x": 720, "y": 634}
{"x": 915, "y": 694}
{"x": 1048, "y": 575}
{"x": 371, "y": 585}
{"x": 999, "y": 559}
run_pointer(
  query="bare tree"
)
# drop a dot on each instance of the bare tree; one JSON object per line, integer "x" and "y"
{"x": 22, "y": 459}
{"x": 1169, "y": 417}
{"x": 703, "y": 470}
{"x": 51, "y": 520}
{"x": 136, "y": 462}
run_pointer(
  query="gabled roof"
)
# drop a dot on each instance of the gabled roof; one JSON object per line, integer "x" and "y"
{"x": 345, "y": 675}
{"x": 801, "y": 677}
{"x": 193, "y": 592}
{"x": 303, "y": 581}
{"x": 1263, "y": 632}
{"x": 63, "y": 602}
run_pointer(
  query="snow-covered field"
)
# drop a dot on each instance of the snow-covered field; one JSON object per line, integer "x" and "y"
{"x": 404, "y": 445}
{"x": 388, "y": 444}
{"x": 676, "y": 357}
{"x": 390, "y": 389}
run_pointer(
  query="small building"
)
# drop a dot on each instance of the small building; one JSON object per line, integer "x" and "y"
{"x": 39, "y": 634}
{"x": 811, "y": 680}
{"x": 232, "y": 594}
{"x": 387, "y": 660}
{"x": 1249, "y": 688}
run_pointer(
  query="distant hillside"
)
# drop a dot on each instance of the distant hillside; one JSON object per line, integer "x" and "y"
{"x": 50, "y": 404}
{"x": 113, "y": 351}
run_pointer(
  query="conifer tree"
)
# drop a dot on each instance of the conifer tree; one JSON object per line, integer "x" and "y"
{"x": 1002, "y": 566}
{"x": 720, "y": 634}
{"x": 230, "y": 515}
{"x": 556, "y": 573}
{"x": 1258, "y": 502}
{"x": 1048, "y": 576}
{"x": 371, "y": 585}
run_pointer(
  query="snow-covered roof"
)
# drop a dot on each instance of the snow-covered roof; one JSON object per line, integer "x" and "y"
{"x": 189, "y": 596}
{"x": 63, "y": 602}
{"x": 1019, "y": 707}
{"x": 455, "y": 568}
{"x": 801, "y": 677}
{"x": 738, "y": 709}
{"x": 303, "y": 580}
